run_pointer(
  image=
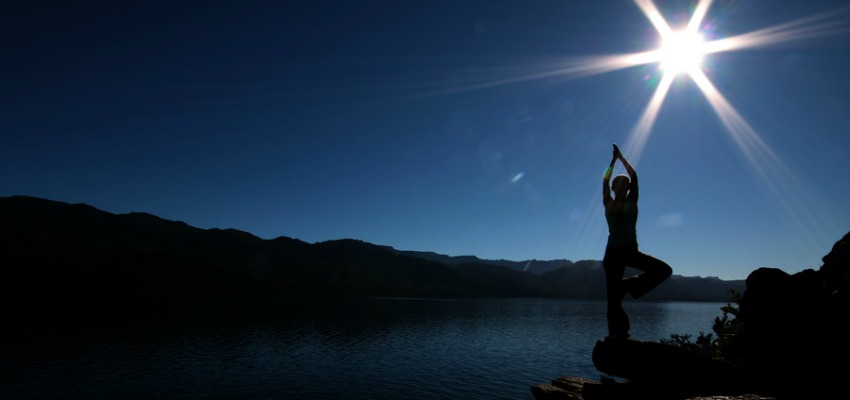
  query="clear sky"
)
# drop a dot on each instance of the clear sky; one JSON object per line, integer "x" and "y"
{"x": 477, "y": 127}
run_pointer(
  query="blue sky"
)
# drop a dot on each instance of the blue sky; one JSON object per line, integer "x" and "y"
{"x": 459, "y": 127}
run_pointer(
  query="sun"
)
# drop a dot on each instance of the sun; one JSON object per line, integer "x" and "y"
{"x": 681, "y": 52}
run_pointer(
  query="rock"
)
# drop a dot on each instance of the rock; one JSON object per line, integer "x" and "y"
{"x": 792, "y": 344}
{"x": 551, "y": 392}
{"x": 796, "y": 326}
{"x": 670, "y": 368}
{"x": 575, "y": 388}
{"x": 573, "y": 384}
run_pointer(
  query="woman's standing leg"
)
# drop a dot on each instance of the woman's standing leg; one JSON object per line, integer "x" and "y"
{"x": 618, "y": 320}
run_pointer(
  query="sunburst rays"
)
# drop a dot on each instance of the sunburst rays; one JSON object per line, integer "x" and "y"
{"x": 772, "y": 174}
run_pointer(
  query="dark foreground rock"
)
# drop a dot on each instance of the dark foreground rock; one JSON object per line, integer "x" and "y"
{"x": 575, "y": 388}
{"x": 793, "y": 343}
{"x": 796, "y": 334}
{"x": 657, "y": 371}
{"x": 673, "y": 370}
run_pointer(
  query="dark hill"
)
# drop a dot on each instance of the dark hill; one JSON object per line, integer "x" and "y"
{"x": 534, "y": 266}
{"x": 58, "y": 244}
{"x": 61, "y": 246}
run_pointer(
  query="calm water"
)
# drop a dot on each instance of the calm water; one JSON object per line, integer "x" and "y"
{"x": 336, "y": 349}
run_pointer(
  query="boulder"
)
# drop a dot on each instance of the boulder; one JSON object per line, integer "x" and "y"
{"x": 670, "y": 369}
{"x": 575, "y": 388}
{"x": 792, "y": 344}
{"x": 796, "y": 326}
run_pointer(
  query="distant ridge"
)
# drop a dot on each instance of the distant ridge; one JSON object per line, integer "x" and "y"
{"x": 47, "y": 243}
{"x": 534, "y": 266}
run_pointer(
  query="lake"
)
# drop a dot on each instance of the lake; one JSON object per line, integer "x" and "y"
{"x": 317, "y": 348}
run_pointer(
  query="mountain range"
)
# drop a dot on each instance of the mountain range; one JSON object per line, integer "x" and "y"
{"x": 50, "y": 244}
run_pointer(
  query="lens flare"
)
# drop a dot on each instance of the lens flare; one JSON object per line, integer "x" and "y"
{"x": 681, "y": 54}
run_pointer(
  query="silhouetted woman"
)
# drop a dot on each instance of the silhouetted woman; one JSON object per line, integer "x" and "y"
{"x": 621, "y": 212}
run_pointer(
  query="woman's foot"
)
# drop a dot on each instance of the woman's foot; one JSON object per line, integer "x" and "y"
{"x": 618, "y": 337}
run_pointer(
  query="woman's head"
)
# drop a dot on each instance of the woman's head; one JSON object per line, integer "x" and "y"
{"x": 620, "y": 184}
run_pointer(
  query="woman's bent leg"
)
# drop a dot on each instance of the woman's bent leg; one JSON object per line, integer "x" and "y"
{"x": 654, "y": 272}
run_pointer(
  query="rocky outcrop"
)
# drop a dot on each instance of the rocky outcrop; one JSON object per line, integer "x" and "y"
{"x": 797, "y": 326}
{"x": 653, "y": 370}
{"x": 793, "y": 343}
{"x": 575, "y": 388}
{"x": 673, "y": 370}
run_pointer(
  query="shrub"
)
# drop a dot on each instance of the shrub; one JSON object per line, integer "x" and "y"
{"x": 719, "y": 343}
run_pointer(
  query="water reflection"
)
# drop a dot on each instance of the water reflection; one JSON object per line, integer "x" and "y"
{"x": 336, "y": 348}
